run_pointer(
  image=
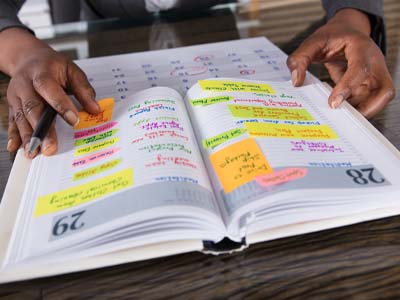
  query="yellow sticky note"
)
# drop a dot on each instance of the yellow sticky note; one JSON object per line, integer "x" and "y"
{"x": 239, "y": 163}
{"x": 96, "y": 170}
{"x": 235, "y": 86}
{"x": 308, "y": 132}
{"x": 95, "y": 147}
{"x": 88, "y": 120}
{"x": 259, "y": 112}
{"x": 84, "y": 193}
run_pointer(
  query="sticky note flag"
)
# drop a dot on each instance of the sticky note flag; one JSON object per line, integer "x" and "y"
{"x": 96, "y": 170}
{"x": 96, "y": 130}
{"x": 94, "y": 157}
{"x": 83, "y": 193}
{"x": 239, "y": 163}
{"x": 211, "y": 100}
{"x": 306, "y": 132}
{"x": 88, "y": 120}
{"x": 235, "y": 86}
{"x": 95, "y": 147}
{"x": 214, "y": 141}
{"x": 281, "y": 176}
{"x": 95, "y": 138}
{"x": 259, "y": 112}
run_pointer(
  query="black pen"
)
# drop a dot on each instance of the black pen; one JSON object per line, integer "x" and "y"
{"x": 42, "y": 128}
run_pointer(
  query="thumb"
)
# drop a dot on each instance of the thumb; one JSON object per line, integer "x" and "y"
{"x": 302, "y": 57}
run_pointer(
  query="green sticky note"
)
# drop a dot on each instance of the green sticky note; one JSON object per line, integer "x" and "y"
{"x": 95, "y": 138}
{"x": 211, "y": 100}
{"x": 219, "y": 139}
{"x": 96, "y": 170}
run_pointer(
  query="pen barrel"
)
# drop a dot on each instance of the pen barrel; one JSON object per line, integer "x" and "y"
{"x": 43, "y": 126}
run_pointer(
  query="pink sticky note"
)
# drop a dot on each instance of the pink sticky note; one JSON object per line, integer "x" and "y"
{"x": 281, "y": 176}
{"x": 95, "y": 157}
{"x": 96, "y": 130}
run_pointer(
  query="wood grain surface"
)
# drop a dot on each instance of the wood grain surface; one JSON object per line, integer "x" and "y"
{"x": 359, "y": 262}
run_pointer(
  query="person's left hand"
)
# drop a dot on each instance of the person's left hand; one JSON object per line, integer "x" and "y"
{"x": 354, "y": 62}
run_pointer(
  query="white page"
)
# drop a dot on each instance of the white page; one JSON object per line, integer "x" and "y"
{"x": 123, "y": 75}
{"x": 149, "y": 140}
{"x": 344, "y": 160}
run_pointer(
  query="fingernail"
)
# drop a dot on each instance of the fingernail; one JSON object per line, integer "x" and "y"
{"x": 71, "y": 118}
{"x": 337, "y": 101}
{"x": 294, "y": 77}
{"x": 26, "y": 148}
{"x": 97, "y": 107}
{"x": 49, "y": 147}
{"x": 9, "y": 144}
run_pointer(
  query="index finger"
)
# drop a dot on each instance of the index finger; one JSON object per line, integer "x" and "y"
{"x": 303, "y": 56}
{"x": 48, "y": 88}
{"x": 82, "y": 89}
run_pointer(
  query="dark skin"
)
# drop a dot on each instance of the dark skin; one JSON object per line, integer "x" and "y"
{"x": 354, "y": 62}
{"x": 40, "y": 75}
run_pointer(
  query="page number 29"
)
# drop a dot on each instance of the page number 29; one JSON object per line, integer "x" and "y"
{"x": 68, "y": 223}
{"x": 364, "y": 176}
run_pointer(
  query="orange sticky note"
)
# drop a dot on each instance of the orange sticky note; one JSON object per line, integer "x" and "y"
{"x": 88, "y": 120}
{"x": 239, "y": 163}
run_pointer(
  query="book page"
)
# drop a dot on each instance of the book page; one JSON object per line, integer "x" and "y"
{"x": 98, "y": 165}
{"x": 260, "y": 139}
{"x": 119, "y": 76}
{"x": 136, "y": 155}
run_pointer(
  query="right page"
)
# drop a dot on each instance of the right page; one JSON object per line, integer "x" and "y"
{"x": 280, "y": 153}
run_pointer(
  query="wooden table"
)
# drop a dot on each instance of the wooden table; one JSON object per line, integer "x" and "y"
{"x": 354, "y": 262}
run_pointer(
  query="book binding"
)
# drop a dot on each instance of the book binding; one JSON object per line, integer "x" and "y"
{"x": 225, "y": 246}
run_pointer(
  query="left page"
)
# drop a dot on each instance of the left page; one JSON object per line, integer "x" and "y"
{"x": 132, "y": 175}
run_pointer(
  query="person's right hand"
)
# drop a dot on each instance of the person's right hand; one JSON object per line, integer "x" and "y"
{"x": 40, "y": 75}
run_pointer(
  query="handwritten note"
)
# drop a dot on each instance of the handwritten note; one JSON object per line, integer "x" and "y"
{"x": 165, "y": 160}
{"x": 235, "y": 86}
{"x": 96, "y": 170}
{"x": 95, "y": 157}
{"x": 162, "y": 125}
{"x": 83, "y": 193}
{"x": 312, "y": 132}
{"x": 249, "y": 111}
{"x": 239, "y": 163}
{"x": 160, "y": 134}
{"x": 95, "y": 138}
{"x": 312, "y": 146}
{"x": 95, "y": 147}
{"x": 149, "y": 108}
{"x": 269, "y": 102}
{"x": 219, "y": 139}
{"x": 88, "y": 120}
{"x": 281, "y": 176}
{"x": 211, "y": 100}
{"x": 163, "y": 147}
{"x": 96, "y": 130}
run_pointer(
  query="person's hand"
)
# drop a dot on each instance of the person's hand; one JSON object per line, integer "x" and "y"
{"x": 39, "y": 75}
{"x": 353, "y": 60}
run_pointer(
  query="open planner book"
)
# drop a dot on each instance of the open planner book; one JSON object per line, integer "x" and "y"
{"x": 229, "y": 163}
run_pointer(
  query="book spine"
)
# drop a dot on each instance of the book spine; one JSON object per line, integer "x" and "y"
{"x": 225, "y": 246}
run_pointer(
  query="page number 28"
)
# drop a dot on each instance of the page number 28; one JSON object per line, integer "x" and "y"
{"x": 364, "y": 176}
